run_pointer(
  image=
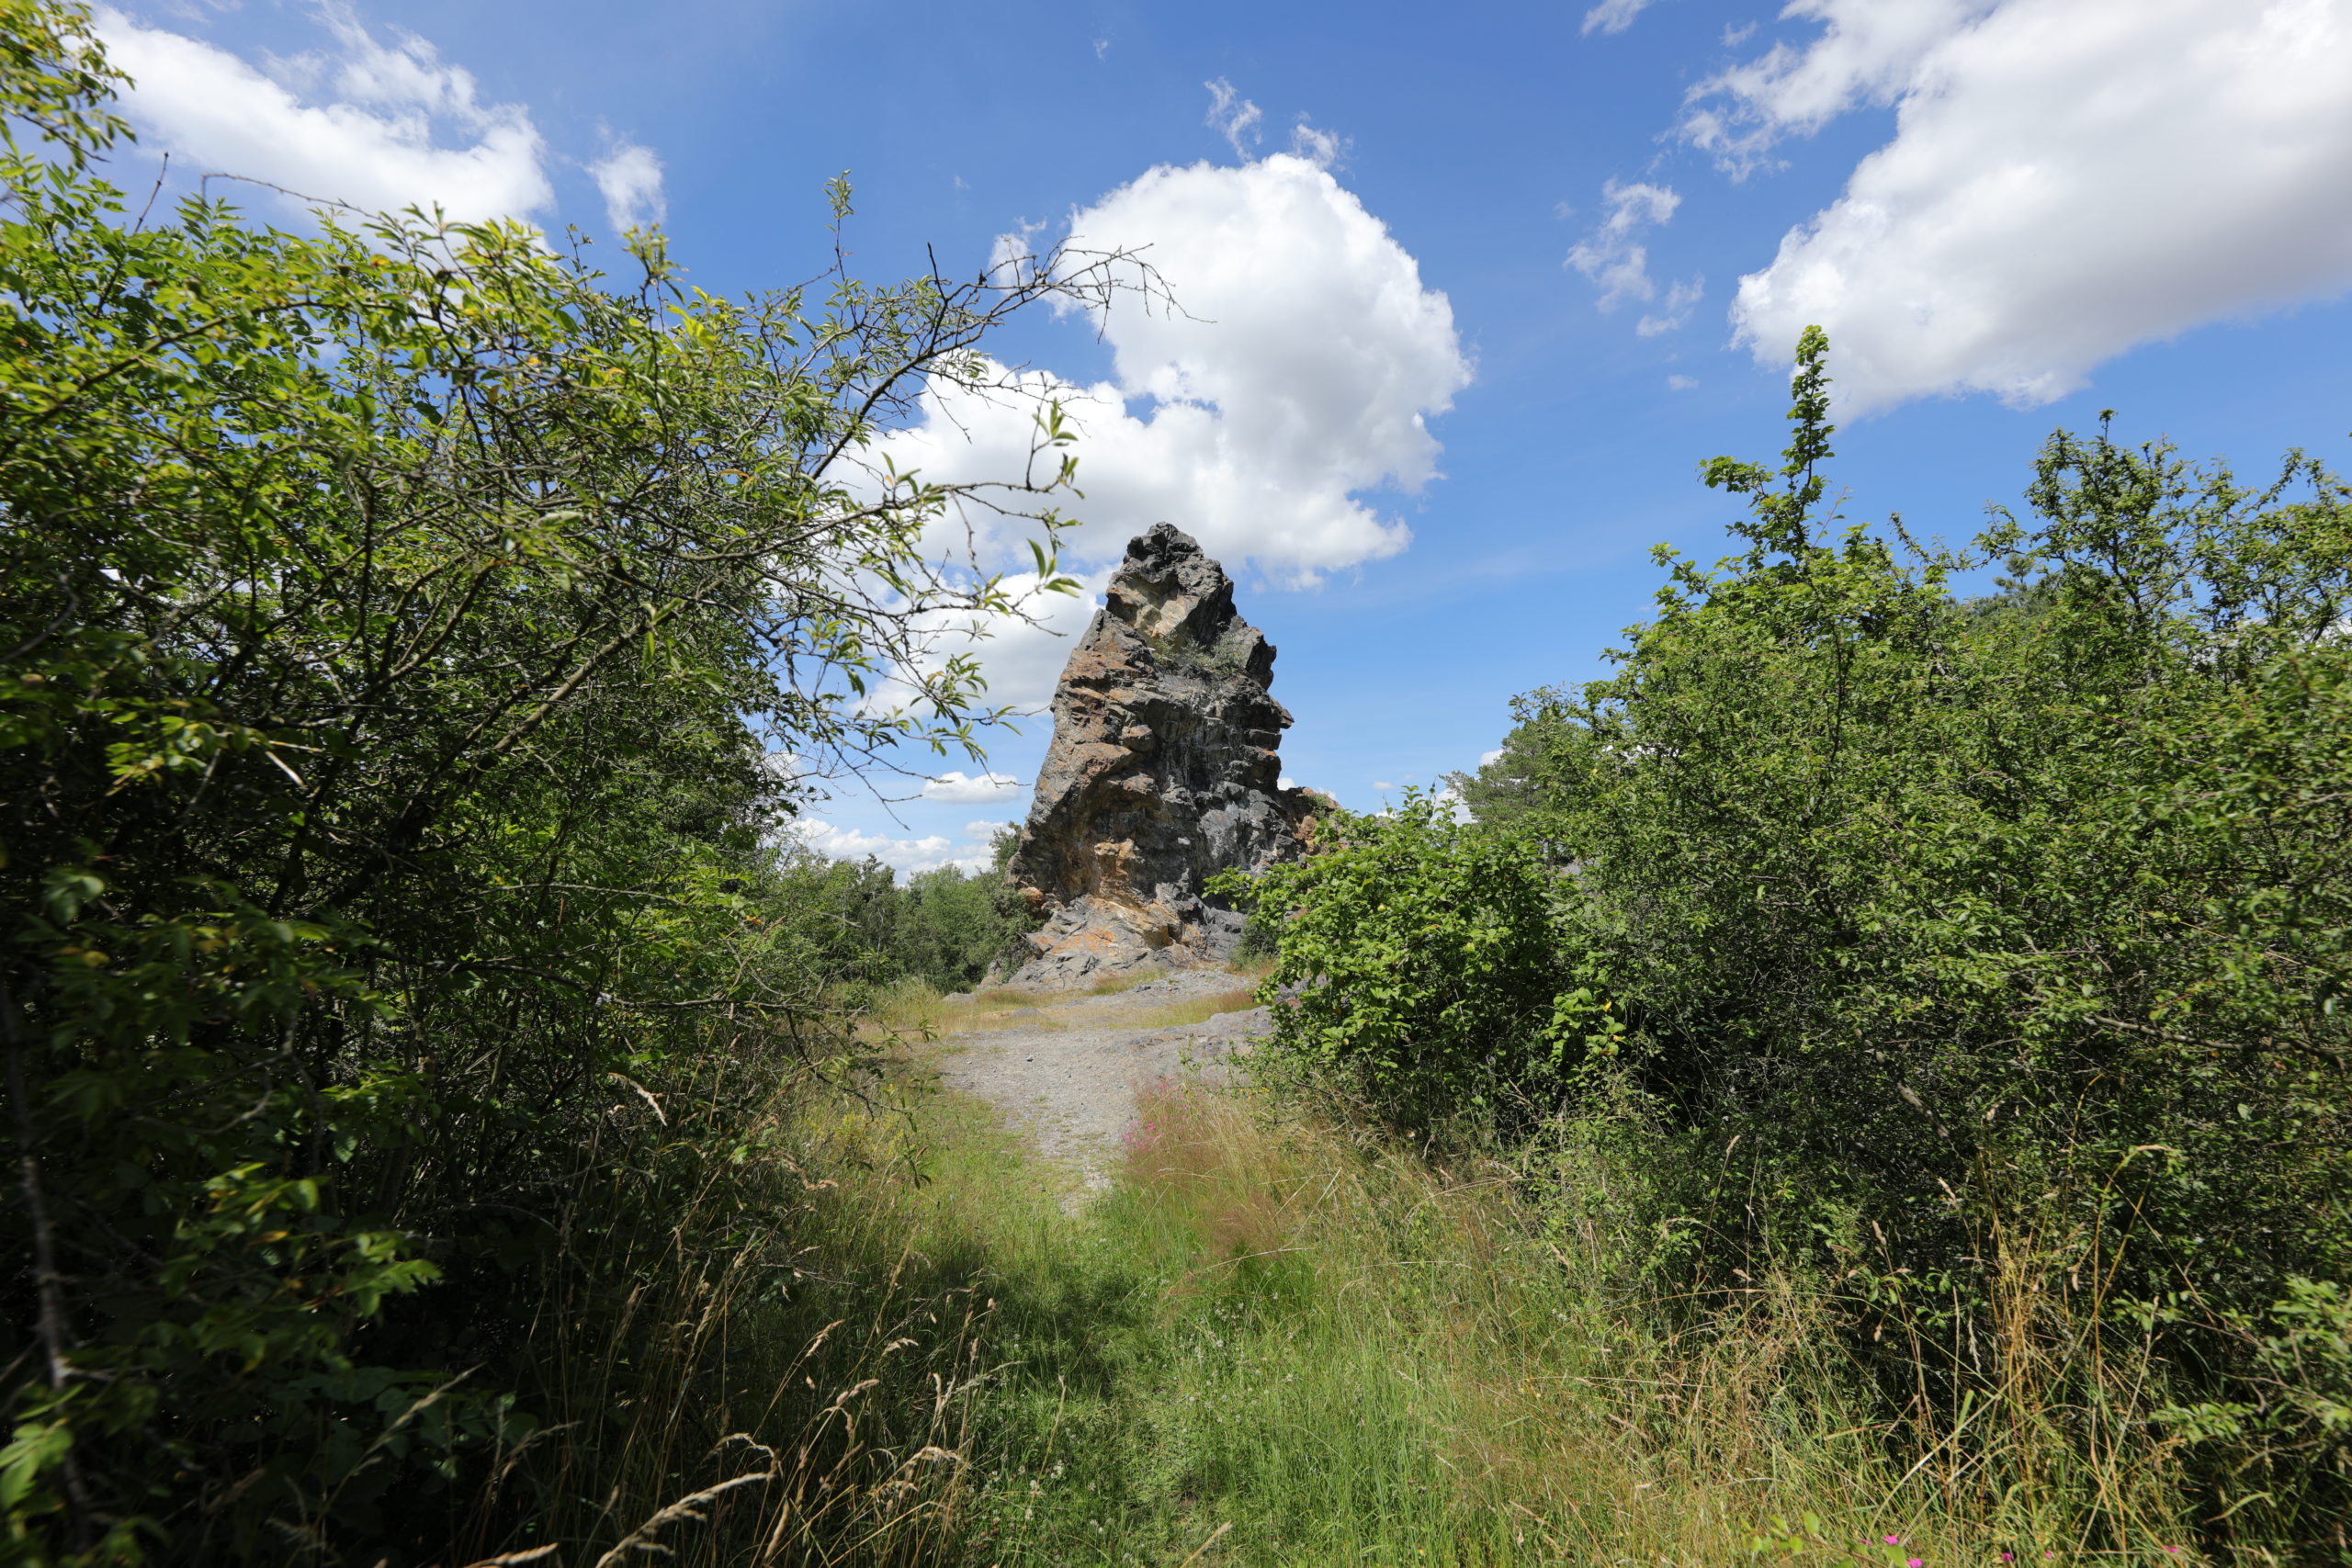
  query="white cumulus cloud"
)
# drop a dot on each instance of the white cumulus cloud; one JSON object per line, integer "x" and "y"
{"x": 1868, "y": 52}
{"x": 953, "y": 786}
{"x": 928, "y": 853}
{"x": 2067, "y": 179}
{"x": 381, "y": 126}
{"x": 1020, "y": 657}
{"x": 848, "y": 843}
{"x": 1299, "y": 374}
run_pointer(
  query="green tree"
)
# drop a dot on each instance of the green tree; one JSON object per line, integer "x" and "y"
{"x": 1510, "y": 788}
{"x": 397, "y": 623}
{"x": 1979, "y": 931}
{"x": 953, "y": 925}
{"x": 949, "y": 927}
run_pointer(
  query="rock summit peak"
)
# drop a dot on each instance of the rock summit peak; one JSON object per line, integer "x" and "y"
{"x": 1163, "y": 771}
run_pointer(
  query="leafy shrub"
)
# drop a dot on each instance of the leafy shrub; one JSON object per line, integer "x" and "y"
{"x": 1419, "y": 958}
{"x": 396, "y": 624}
{"x": 1907, "y": 886}
{"x": 1975, "y": 952}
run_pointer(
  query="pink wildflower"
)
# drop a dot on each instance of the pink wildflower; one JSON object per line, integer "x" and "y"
{"x": 1894, "y": 1540}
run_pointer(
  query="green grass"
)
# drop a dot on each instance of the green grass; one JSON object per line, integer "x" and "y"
{"x": 1334, "y": 1353}
{"x": 1271, "y": 1341}
{"x": 1199, "y": 1009}
{"x": 915, "y": 1008}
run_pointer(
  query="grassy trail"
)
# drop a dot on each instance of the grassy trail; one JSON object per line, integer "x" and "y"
{"x": 1268, "y": 1343}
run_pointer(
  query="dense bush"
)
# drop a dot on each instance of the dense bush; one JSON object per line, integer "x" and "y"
{"x": 1418, "y": 961}
{"x": 1983, "y": 957}
{"x": 399, "y": 624}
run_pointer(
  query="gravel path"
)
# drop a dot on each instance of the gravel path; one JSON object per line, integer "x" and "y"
{"x": 1068, "y": 1071}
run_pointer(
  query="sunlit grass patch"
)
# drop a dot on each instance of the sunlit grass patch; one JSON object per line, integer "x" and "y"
{"x": 1347, "y": 1353}
{"x": 1198, "y": 1009}
{"x": 916, "y": 1008}
{"x": 1347, "y": 1349}
{"x": 1253, "y": 968}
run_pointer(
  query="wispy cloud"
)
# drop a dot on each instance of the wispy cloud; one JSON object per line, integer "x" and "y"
{"x": 1611, "y": 254}
{"x": 1232, "y": 116}
{"x": 1674, "y": 311}
{"x": 629, "y": 176}
{"x": 1614, "y": 16}
{"x": 1323, "y": 149}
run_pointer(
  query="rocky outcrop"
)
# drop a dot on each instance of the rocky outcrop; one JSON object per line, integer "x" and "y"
{"x": 1162, "y": 772}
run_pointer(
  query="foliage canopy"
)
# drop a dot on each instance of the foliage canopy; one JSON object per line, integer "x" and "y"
{"x": 1969, "y": 926}
{"x": 410, "y": 644}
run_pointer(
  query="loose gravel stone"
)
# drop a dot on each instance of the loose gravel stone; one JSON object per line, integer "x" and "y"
{"x": 1075, "y": 1088}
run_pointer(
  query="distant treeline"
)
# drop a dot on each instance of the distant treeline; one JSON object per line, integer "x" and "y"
{"x": 946, "y": 927}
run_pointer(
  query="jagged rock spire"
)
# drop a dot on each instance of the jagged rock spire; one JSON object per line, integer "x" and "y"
{"x": 1163, "y": 771}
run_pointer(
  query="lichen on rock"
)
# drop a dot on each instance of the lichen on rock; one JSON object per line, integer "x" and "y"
{"x": 1162, "y": 772}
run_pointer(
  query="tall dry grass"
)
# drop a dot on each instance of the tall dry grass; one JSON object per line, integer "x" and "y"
{"x": 750, "y": 1358}
{"x": 2020, "y": 1429}
{"x": 875, "y": 1334}
{"x": 915, "y": 1009}
{"x": 1341, "y": 1349}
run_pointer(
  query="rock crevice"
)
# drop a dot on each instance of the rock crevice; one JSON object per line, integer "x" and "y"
{"x": 1163, "y": 771}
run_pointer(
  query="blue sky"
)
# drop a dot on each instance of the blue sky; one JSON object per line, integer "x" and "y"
{"x": 1482, "y": 286}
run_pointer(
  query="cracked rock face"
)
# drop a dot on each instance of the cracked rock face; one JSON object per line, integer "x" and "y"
{"x": 1162, "y": 772}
